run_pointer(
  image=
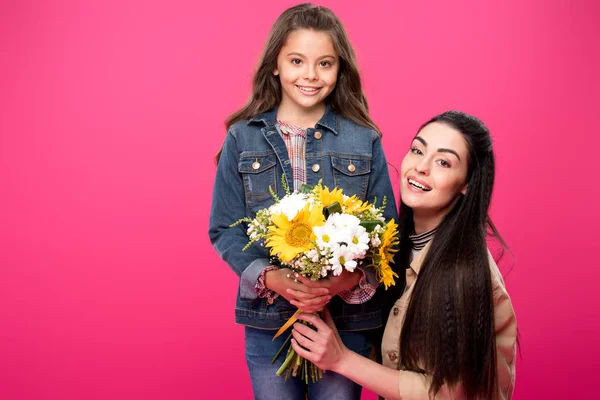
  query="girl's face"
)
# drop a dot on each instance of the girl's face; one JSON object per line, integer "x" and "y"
{"x": 307, "y": 67}
{"x": 434, "y": 171}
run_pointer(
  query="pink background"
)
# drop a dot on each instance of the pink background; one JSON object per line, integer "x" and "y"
{"x": 111, "y": 113}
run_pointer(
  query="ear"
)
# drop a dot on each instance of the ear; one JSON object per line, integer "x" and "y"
{"x": 275, "y": 72}
{"x": 464, "y": 189}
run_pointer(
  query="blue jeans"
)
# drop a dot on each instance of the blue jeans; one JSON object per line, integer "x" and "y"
{"x": 260, "y": 349}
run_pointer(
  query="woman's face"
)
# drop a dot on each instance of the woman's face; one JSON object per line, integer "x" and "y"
{"x": 434, "y": 171}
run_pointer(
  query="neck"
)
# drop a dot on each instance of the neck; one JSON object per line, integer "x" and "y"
{"x": 426, "y": 223}
{"x": 300, "y": 116}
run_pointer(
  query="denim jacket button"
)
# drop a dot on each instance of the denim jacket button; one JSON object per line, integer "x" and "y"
{"x": 351, "y": 167}
{"x": 318, "y": 135}
{"x": 256, "y": 164}
{"x": 316, "y": 167}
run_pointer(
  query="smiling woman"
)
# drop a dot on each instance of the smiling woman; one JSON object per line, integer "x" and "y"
{"x": 434, "y": 173}
{"x": 452, "y": 333}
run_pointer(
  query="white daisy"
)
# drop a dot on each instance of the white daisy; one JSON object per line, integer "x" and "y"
{"x": 342, "y": 257}
{"x": 290, "y": 205}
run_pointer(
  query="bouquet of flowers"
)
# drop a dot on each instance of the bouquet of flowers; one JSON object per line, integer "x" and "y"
{"x": 317, "y": 232}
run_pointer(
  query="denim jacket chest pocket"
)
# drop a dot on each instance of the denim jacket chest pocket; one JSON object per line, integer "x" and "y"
{"x": 258, "y": 170}
{"x": 351, "y": 173}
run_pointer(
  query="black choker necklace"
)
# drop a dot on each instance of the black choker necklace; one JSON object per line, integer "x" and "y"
{"x": 419, "y": 241}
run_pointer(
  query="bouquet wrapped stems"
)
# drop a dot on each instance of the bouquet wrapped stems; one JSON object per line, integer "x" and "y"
{"x": 295, "y": 365}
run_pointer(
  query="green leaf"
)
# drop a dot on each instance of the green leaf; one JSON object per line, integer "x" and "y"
{"x": 306, "y": 189}
{"x": 371, "y": 224}
{"x": 332, "y": 209}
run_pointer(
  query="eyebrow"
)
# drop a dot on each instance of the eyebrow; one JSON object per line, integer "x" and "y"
{"x": 440, "y": 150}
{"x": 303, "y": 56}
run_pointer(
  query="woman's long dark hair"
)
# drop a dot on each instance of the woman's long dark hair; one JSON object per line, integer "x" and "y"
{"x": 347, "y": 98}
{"x": 449, "y": 325}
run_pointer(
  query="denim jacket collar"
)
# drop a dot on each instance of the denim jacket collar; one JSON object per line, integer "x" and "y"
{"x": 328, "y": 120}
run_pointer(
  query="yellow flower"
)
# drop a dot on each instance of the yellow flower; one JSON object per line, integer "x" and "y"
{"x": 327, "y": 197}
{"x": 288, "y": 238}
{"x": 387, "y": 276}
{"x": 352, "y": 205}
{"x": 389, "y": 239}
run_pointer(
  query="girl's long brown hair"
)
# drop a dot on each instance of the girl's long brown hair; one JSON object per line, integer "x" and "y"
{"x": 347, "y": 98}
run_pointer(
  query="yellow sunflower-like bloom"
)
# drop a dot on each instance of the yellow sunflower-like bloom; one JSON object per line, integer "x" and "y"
{"x": 288, "y": 238}
{"x": 389, "y": 239}
{"x": 328, "y": 197}
{"x": 352, "y": 205}
{"x": 387, "y": 276}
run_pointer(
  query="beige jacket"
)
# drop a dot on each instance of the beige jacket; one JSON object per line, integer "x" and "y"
{"x": 414, "y": 385}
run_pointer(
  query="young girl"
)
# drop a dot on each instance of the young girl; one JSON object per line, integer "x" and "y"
{"x": 452, "y": 334}
{"x": 307, "y": 120}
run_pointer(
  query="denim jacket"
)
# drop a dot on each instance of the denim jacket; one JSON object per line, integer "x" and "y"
{"x": 254, "y": 157}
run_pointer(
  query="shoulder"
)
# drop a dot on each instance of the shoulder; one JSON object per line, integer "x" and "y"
{"x": 347, "y": 126}
{"x": 502, "y": 300}
{"x": 244, "y": 127}
{"x": 497, "y": 278}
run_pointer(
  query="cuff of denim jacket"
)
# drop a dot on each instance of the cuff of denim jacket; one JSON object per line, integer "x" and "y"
{"x": 250, "y": 276}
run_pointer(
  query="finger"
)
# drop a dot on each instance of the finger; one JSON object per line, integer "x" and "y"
{"x": 305, "y": 342}
{"x": 307, "y": 294}
{"x": 315, "y": 320}
{"x": 309, "y": 309}
{"x": 321, "y": 300}
{"x": 314, "y": 289}
{"x": 303, "y": 352}
{"x": 306, "y": 331}
{"x": 309, "y": 282}
{"x": 317, "y": 303}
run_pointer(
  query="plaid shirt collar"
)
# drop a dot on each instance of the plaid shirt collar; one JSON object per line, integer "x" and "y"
{"x": 329, "y": 120}
{"x": 291, "y": 130}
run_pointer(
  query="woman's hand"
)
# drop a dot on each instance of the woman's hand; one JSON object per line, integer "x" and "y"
{"x": 301, "y": 292}
{"x": 323, "y": 346}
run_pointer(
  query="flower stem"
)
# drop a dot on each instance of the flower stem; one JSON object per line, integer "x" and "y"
{"x": 310, "y": 364}
{"x": 281, "y": 348}
{"x": 297, "y": 365}
{"x": 288, "y": 359}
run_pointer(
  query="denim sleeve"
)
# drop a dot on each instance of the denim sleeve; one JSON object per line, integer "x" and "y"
{"x": 229, "y": 205}
{"x": 380, "y": 185}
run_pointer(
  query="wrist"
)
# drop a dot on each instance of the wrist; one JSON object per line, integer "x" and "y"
{"x": 269, "y": 278}
{"x": 353, "y": 281}
{"x": 342, "y": 367}
{"x": 275, "y": 280}
{"x": 357, "y": 275}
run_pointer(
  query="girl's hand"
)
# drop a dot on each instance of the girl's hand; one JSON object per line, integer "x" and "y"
{"x": 322, "y": 346}
{"x": 303, "y": 293}
{"x": 345, "y": 280}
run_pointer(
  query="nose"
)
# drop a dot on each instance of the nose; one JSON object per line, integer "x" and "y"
{"x": 422, "y": 166}
{"x": 310, "y": 73}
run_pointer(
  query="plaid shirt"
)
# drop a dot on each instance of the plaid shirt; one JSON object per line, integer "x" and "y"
{"x": 295, "y": 142}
